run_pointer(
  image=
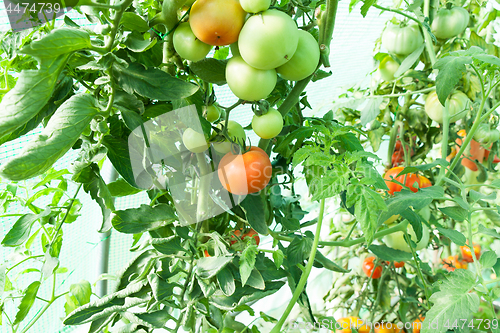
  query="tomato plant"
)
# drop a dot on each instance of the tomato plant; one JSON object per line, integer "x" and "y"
{"x": 450, "y": 22}
{"x": 136, "y": 98}
{"x": 187, "y": 45}
{"x": 235, "y": 132}
{"x": 268, "y": 125}
{"x": 255, "y": 6}
{"x": 247, "y": 173}
{"x": 387, "y": 67}
{"x": 268, "y": 40}
{"x": 216, "y": 22}
{"x": 457, "y": 109}
{"x": 402, "y": 39}
{"x": 304, "y": 60}
{"x": 195, "y": 142}
{"x": 247, "y": 82}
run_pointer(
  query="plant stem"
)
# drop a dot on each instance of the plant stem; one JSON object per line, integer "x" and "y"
{"x": 419, "y": 270}
{"x": 19, "y": 263}
{"x": 65, "y": 216}
{"x": 444, "y": 140}
{"x": 348, "y": 243}
{"x": 202, "y": 205}
{"x": 305, "y": 275}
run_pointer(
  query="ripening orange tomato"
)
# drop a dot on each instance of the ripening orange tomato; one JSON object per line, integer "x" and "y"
{"x": 347, "y": 323}
{"x": 399, "y": 264}
{"x": 217, "y": 22}
{"x": 466, "y": 252}
{"x": 408, "y": 179}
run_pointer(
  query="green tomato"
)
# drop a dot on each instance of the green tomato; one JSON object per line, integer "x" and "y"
{"x": 387, "y": 68}
{"x": 255, "y": 6}
{"x": 268, "y": 40}
{"x": 211, "y": 112}
{"x": 235, "y": 52}
{"x": 268, "y": 125}
{"x": 304, "y": 60}
{"x": 235, "y": 132}
{"x": 457, "y": 109}
{"x": 247, "y": 82}
{"x": 195, "y": 142}
{"x": 486, "y": 135}
{"x": 397, "y": 241}
{"x": 402, "y": 40}
{"x": 449, "y": 23}
{"x": 187, "y": 45}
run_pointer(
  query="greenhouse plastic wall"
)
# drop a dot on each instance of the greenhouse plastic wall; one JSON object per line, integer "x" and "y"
{"x": 351, "y": 60}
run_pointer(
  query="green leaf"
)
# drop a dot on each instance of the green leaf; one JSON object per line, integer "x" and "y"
{"x": 254, "y": 211}
{"x": 20, "y": 231}
{"x": 409, "y": 61}
{"x": 452, "y": 301}
{"x": 106, "y": 306}
{"x": 133, "y": 22}
{"x": 328, "y": 264}
{"x": 151, "y": 83}
{"x": 455, "y": 236}
{"x": 208, "y": 267}
{"x": 490, "y": 232}
{"x": 210, "y": 70}
{"x": 161, "y": 288}
{"x": 59, "y": 41}
{"x": 60, "y": 134}
{"x": 367, "y": 210}
{"x": 278, "y": 258}
{"x": 32, "y": 91}
{"x": 82, "y": 291}
{"x": 366, "y": 6}
{"x": 119, "y": 156}
{"x": 27, "y": 302}
{"x": 455, "y": 212}
{"x": 156, "y": 319}
{"x": 298, "y": 250}
{"x": 169, "y": 245}
{"x": 255, "y": 280}
{"x": 247, "y": 262}
{"x": 139, "y": 43}
{"x": 121, "y": 188}
{"x": 389, "y": 254}
{"x": 451, "y": 70}
{"x": 144, "y": 218}
{"x": 405, "y": 198}
{"x": 226, "y": 281}
{"x": 3, "y": 276}
{"x": 371, "y": 110}
{"x": 488, "y": 259}
{"x": 51, "y": 176}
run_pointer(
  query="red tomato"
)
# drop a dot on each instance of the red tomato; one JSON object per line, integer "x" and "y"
{"x": 206, "y": 254}
{"x": 251, "y": 233}
{"x": 370, "y": 269}
{"x": 408, "y": 179}
{"x": 475, "y": 152}
{"x": 466, "y": 252}
{"x": 399, "y": 264}
{"x": 247, "y": 173}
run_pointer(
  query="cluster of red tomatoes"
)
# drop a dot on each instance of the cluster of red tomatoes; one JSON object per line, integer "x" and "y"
{"x": 375, "y": 271}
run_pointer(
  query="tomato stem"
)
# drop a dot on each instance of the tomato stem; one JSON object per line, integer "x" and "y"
{"x": 305, "y": 274}
{"x": 417, "y": 264}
